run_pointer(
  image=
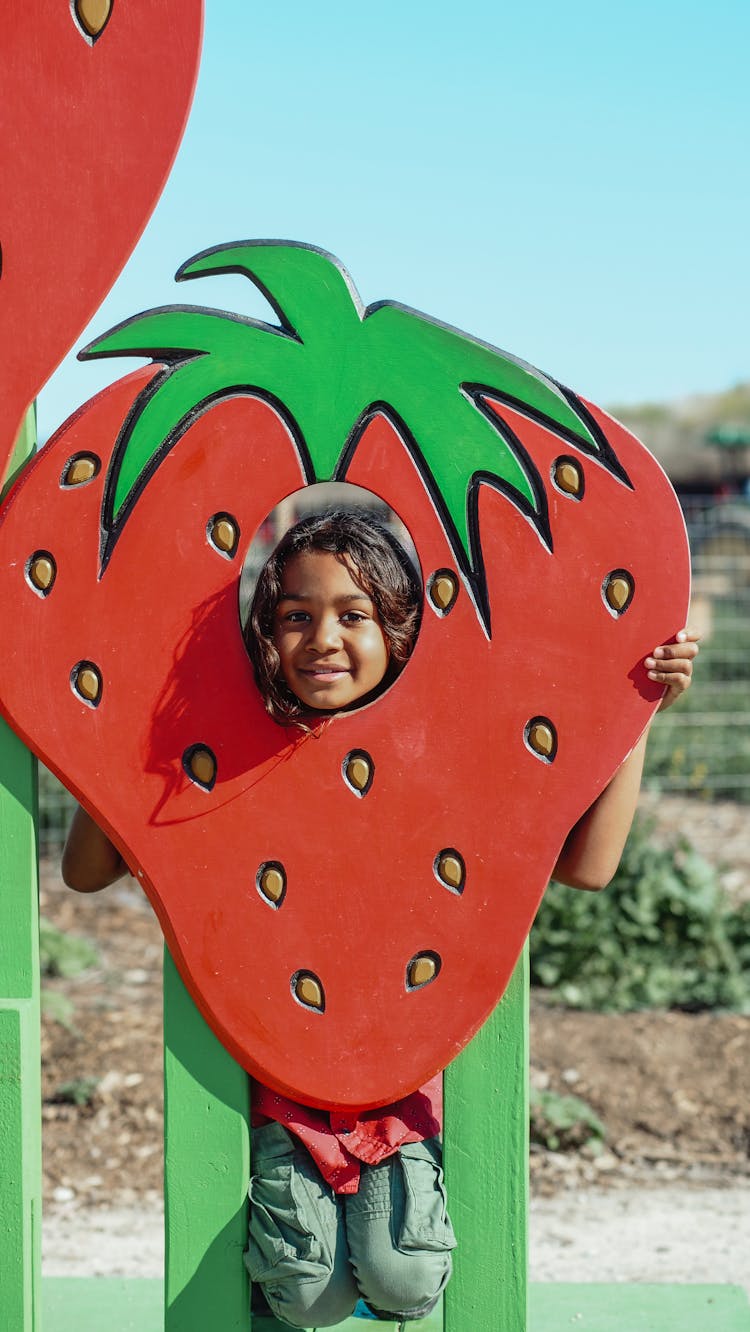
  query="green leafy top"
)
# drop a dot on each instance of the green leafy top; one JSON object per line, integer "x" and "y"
{"x": 328, "y": 366}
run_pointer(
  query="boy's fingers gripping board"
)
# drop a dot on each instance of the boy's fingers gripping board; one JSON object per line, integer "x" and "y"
{"x": 94, "y": 95}
{"x": 345, "y": 905}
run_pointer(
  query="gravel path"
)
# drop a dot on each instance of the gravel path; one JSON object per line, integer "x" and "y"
{"x": 671, "y": 1234}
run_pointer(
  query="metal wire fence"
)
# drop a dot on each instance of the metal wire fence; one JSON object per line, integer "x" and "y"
{"x": 701, "y": 748}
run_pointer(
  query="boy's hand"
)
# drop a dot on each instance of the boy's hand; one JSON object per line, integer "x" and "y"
{"x": 672, "y": 665}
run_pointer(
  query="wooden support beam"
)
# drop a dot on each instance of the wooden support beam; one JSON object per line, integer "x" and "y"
{"x": 486, "y": 1141}
{"x": 20, "y": 1090}
{"x": 207, "y": 1168}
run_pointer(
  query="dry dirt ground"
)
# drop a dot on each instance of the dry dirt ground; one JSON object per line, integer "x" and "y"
{"x": 672, "y": 1089}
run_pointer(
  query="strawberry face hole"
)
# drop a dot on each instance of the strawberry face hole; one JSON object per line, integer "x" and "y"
{"x": 330, "y": 605}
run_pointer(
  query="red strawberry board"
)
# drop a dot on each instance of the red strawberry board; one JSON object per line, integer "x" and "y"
{"x": 564, "y": 552}
{"x": 94, "y": 96}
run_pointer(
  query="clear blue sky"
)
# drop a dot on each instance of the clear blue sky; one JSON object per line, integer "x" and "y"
{"x": 568, "y": 181}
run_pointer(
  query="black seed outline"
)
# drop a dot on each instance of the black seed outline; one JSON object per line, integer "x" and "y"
{"x": 295, "y": 978}
{"x": 90, "y": 37}
{"x": 573, "y": 462}
{"x": 187, "y": 756}
{"x": 355, "y": 754}
{"x": 618, "y": 573}
{"x": 86, "y": 664}
{"x": 433, "y": 578}
{"x": 76, "y": 457}
{"x": 450, "y": 851}
{"x": 423, "y": 952}
{"x": 40, "y": 555}
{"x": 230, "y": 518}
{"x": 540, "y": 721}
{"x": 271, "y": 865}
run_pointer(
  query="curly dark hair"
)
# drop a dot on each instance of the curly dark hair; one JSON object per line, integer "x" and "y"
{"x": 382, "y": 569}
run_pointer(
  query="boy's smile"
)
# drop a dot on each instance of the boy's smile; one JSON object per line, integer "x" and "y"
{"x": 327, "y": 632}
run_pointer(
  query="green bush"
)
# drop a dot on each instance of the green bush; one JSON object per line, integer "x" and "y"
{"x": 58, "y": 1008}
{"x": 64, "y": 954}
{"x": 563, "y": 1123}
{"x": 79, "y": 1091}
{"x": 662, "y": 935}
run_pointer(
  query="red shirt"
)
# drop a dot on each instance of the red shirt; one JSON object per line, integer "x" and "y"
{"x": 340, "y": 1140}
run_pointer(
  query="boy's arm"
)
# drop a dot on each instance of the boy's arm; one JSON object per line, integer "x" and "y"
{"x": 89, "y": 860}
{"x": 593, "y": 847}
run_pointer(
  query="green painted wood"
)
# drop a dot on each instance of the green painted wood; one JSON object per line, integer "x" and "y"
{"x": 24, "y": 447}
{"x": 20, "y": 1090}
{"x": 486, "y": 1153}
{"x": 392, "y": 354}
{"x": 20, "y": 1165}
{"x": 642, "y": 1308}
{"x": 207, "y": 1168}
{"x": 82, "y": 1304}
{"x": 92, "y": 1304}
{"x": 72, "y": 1304}
{"x": 489, "y": 1208}
{"x": 19, "y": 949}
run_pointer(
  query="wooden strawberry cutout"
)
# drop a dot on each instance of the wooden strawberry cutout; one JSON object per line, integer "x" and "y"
{"x": 95, "y": 95}
{"x": 346, "y": 906}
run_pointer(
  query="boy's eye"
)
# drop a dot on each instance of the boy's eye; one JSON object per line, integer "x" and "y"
{"x": 353, "y": 616}
{"x": 296, "y": 617}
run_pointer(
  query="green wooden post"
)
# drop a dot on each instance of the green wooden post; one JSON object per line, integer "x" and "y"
{"x": 20, "y": 1091}
{"x": 486, "y": 1166}
{"x": 207, "y": 1167}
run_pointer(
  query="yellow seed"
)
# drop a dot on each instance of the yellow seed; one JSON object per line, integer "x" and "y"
{"x": 422, "y": 970}
{"x": 618, "y": 592}
{"x": 42, "y": 571}
{"x": 88, "y": 683}
{"x": 358, "y": 772}
{"x": 443, "y": 591}
{"x": 542, "y": 739}
{"x": 203, "y": 766}
{"x": 79, "y": 470}
{"x": 309, "y": 990}
{"x": 568, "y": 477}
{"x": 272, "y": 883}
{"x": 451, "y": 870}
{"x": 224, "y": 535}
{"x": 93, "y": 14}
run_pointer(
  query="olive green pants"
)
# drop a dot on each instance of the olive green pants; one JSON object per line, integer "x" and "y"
{"x": 314, "y": 1252}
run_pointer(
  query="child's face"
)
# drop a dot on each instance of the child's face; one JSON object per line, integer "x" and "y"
{"x": 327, "y": 632}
